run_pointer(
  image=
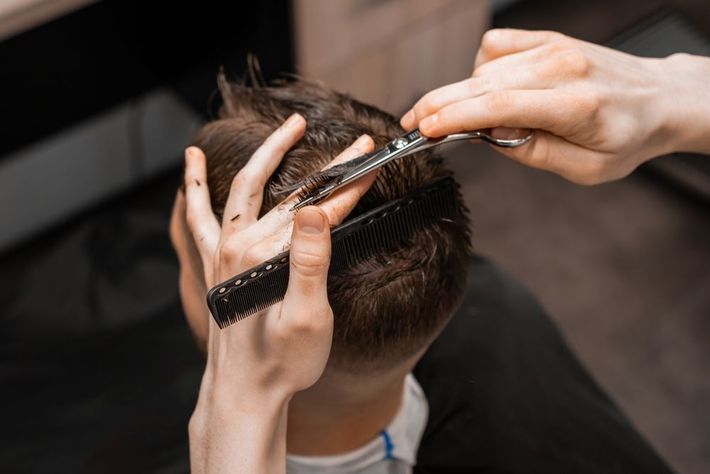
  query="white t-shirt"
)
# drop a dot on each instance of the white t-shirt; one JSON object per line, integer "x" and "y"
{"x": 394, "y": 451}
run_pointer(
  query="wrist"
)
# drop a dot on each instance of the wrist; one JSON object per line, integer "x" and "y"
{"x": 235, "y": 417}
{"x": 232, "y": 404}
{"x": 228, "y": 432}
{"x": 685, "y": 105}
{"x": 226, "y": 390}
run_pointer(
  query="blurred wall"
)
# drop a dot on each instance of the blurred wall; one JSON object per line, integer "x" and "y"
{"x": 388, "y": 52}
{"x": 98, "y": 97}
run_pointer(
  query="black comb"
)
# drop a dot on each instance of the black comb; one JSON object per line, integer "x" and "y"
{"x": 353, "y": 242}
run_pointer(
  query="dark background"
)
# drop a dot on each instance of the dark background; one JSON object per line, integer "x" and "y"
{"x": 104, "y": 54}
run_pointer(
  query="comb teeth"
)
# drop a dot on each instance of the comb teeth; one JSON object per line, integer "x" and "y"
{"x": 391, "y": 226}
{"x": 250, "y": 297}
{"x": 353, "y": 242}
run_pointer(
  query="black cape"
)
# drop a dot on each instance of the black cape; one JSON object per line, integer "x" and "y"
{"x": 506, "y": 395}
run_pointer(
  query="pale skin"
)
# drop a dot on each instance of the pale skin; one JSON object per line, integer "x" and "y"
{"x": 597, "y": 113}
{"x": 248, "y": 406}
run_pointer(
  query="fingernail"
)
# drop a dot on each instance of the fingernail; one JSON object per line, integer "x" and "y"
{"x": 310, "y": 221}
{"x": 408, "y": 120}
{"x": 293, "y": 120}
{"x": 428, "y": 122}
{"x": 361, "y": 141}
{"x": 189, "y": 153}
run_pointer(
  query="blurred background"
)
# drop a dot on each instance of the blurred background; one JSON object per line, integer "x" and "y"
{"x": 98, "y": 100}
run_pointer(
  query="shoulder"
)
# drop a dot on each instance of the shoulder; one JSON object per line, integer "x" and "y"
{"x": 506, "y": 394}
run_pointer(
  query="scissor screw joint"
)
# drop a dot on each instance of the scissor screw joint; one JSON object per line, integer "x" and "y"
{"x": 400, "y": 142}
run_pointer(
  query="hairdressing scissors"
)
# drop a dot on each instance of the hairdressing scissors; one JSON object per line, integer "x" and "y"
{"x": 403, "y": 145}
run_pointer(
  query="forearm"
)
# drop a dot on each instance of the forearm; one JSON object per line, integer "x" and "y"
{"x": 686, "y": 102}
{"x": 234, "y": 436}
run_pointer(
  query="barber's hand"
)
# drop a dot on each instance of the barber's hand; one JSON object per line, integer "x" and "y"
{"x": 599, "y": 113}
{"x": 256, "y": 365}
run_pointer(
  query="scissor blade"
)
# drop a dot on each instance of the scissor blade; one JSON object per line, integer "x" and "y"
{"x": 327, "y": 174}
{"x": 359, "y": 167}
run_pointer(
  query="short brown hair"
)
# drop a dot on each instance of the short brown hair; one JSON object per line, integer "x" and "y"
{"x": 393, "y": 304}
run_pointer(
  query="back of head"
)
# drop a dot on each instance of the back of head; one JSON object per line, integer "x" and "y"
{"x": 392, "y": 305}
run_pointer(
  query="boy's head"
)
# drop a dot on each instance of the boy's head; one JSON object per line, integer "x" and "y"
{"x": 387, "y": 308}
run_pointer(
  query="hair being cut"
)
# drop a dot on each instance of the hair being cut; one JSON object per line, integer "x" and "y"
{"x": 390, "y": 306}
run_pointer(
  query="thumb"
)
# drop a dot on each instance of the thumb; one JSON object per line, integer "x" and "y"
{"x": 310, "y": 258}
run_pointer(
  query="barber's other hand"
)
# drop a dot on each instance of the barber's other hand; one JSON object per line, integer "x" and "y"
{"x": 256, "y": 365}
{"x": 599, "y": 113}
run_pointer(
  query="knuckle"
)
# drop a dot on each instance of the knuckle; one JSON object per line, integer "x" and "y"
{"x": 190, "y": 219}
{"x": 253, "y": 256}
{"x": 476, "y": 86}
{"x": 248, "y": 178}
{"x": 228, "y": 254}
{"x": 588, "y": 104}
{"x": 282, "y": 335}
{"x": 259, "y": 176}
{"x": 540, "y": 159}
{"x": 680, "y": 56}
{"x": 537, "y": 156}
{"x": 597, "y": 176}
{"x": 309, "y": 263}
{"x": 424, "y": 105}
{"x": 196, "y": 224}
{"x": 575, "y": 62}
{"x": 279, "y": 145}
{"x": 246, "y": 175}
{"x": 594, "y": 173}
{"x": 555, "y": 49}
{"x": 302, "y": 322}
{"x": 335, "y": 214}
{"x": 299, "y": 324}
{"x": 193, "y": 174}
{"x": 480, "y": 71}
{"x": 310, "y": 320}
{"x": 240, "y": 179}
{"x": 551, "y": 36}
{"x": 490, "y": 39}
{"x": 497, "y": 101}
{"x": 276, "y": 143}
